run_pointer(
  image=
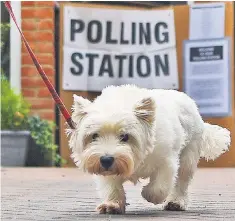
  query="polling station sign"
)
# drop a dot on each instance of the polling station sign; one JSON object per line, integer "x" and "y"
{"x": 104, "y": 47}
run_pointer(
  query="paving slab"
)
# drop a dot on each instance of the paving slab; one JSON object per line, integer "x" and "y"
{"x": 67, "y": 194}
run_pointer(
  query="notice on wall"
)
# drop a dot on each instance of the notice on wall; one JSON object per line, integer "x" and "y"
{"x": 207, "y": 75}
{"x": 104, "y": 47}
{"x": 207, "y": 21}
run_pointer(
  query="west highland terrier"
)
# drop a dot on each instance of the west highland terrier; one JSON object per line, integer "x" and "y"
{"x": 130, "y": 133}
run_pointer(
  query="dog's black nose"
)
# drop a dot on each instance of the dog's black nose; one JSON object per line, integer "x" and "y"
{"x": 106, "y": 161}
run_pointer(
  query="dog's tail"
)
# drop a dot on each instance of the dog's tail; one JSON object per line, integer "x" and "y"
{"x": 215, "y": 141}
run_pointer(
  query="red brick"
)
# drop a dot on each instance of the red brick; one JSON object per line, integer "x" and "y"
{"x": 26, "y": 59}
{"x": 27, "y": 3}
{"x": 32, "y": 83}
{"x": 44, "y": 13}
{"x": 29, "y": 24}
{"x": 32, "y": 45}
{"x": 42, "y": 104}
{"x": 29, "y": 71}
{"x": 28, "y": 13}
{"x": 50, "y": 115}
{"x": 49, "y": 71}
{"x": 45, "y": 59}
{"x": 44, "y": 3}
{"x": 50, "y": 78}
{"x": 31, "y": 36}
{"x": 46, "y": 25}
{"x": 45, "y": 47}
{"x": 38, "y": 27}
{"x": 44, "y": 92}
{"x": 28, "y": 92}
{"x": 36, "y": 82}
{"x": 45, "y": 36}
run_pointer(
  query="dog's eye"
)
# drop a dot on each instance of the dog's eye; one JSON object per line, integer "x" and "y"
{"x": 124, "y": 137}
{"x": 95, "y": 136}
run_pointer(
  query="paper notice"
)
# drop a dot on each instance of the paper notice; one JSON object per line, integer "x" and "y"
{"x": 207, "y": 21}
{"x": 207, "y": 76}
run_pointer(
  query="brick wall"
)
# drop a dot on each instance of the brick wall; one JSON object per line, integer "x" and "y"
{"x": 38, "y": 27}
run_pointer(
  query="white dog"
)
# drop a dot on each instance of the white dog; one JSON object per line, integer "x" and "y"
{"x": 129, "y": 133}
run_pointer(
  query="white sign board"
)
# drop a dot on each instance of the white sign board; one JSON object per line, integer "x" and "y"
{"x": 207, "y": 76}
{"x": 104, "y": 47}
{"x": 207, "y": 21}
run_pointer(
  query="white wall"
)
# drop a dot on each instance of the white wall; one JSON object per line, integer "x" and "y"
{"x": 15, "y": 48}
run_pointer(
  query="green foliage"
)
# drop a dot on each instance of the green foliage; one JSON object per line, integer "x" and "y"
{"x": 4, "y": 32}
{"x": 15, "y": 116}
{"x": 42, "y": 134}
{"x": 5, "y": 47}
{"x": 14, "y": 109}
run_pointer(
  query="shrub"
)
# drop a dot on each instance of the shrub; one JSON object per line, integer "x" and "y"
{"x": 5, "y": 27}
{"x": 14, "y": 109}
{"x": 42, "y": 134}
{"x": 15, "y": 116}
{"x": 5, "y": 47}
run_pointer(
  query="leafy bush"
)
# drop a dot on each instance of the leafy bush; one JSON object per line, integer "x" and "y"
{"x": 5, "y": 47}
{"x": 14, "y": 109}
{"x": 15, "y": 116}
{"x": 5, "y": 27}
{"x": 42, "y": 134}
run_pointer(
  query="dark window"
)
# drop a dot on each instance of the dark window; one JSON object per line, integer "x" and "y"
{"x": 5, "y": 41}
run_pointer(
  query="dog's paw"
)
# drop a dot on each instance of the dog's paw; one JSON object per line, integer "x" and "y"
{"x": 153, "y": 196}
{"x": 175, "y": 205}
{"x": 110, "y": 208}
{"x": 171, "y": 206}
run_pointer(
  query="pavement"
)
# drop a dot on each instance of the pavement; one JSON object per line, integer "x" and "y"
{"x": 67, "y": 194}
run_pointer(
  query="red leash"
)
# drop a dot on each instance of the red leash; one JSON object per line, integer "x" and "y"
{"x": 50, "y": 87}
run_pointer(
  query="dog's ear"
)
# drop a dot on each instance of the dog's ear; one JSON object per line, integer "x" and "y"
{"x": 145, "y": 110}
{"x": 79, "y": 106}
